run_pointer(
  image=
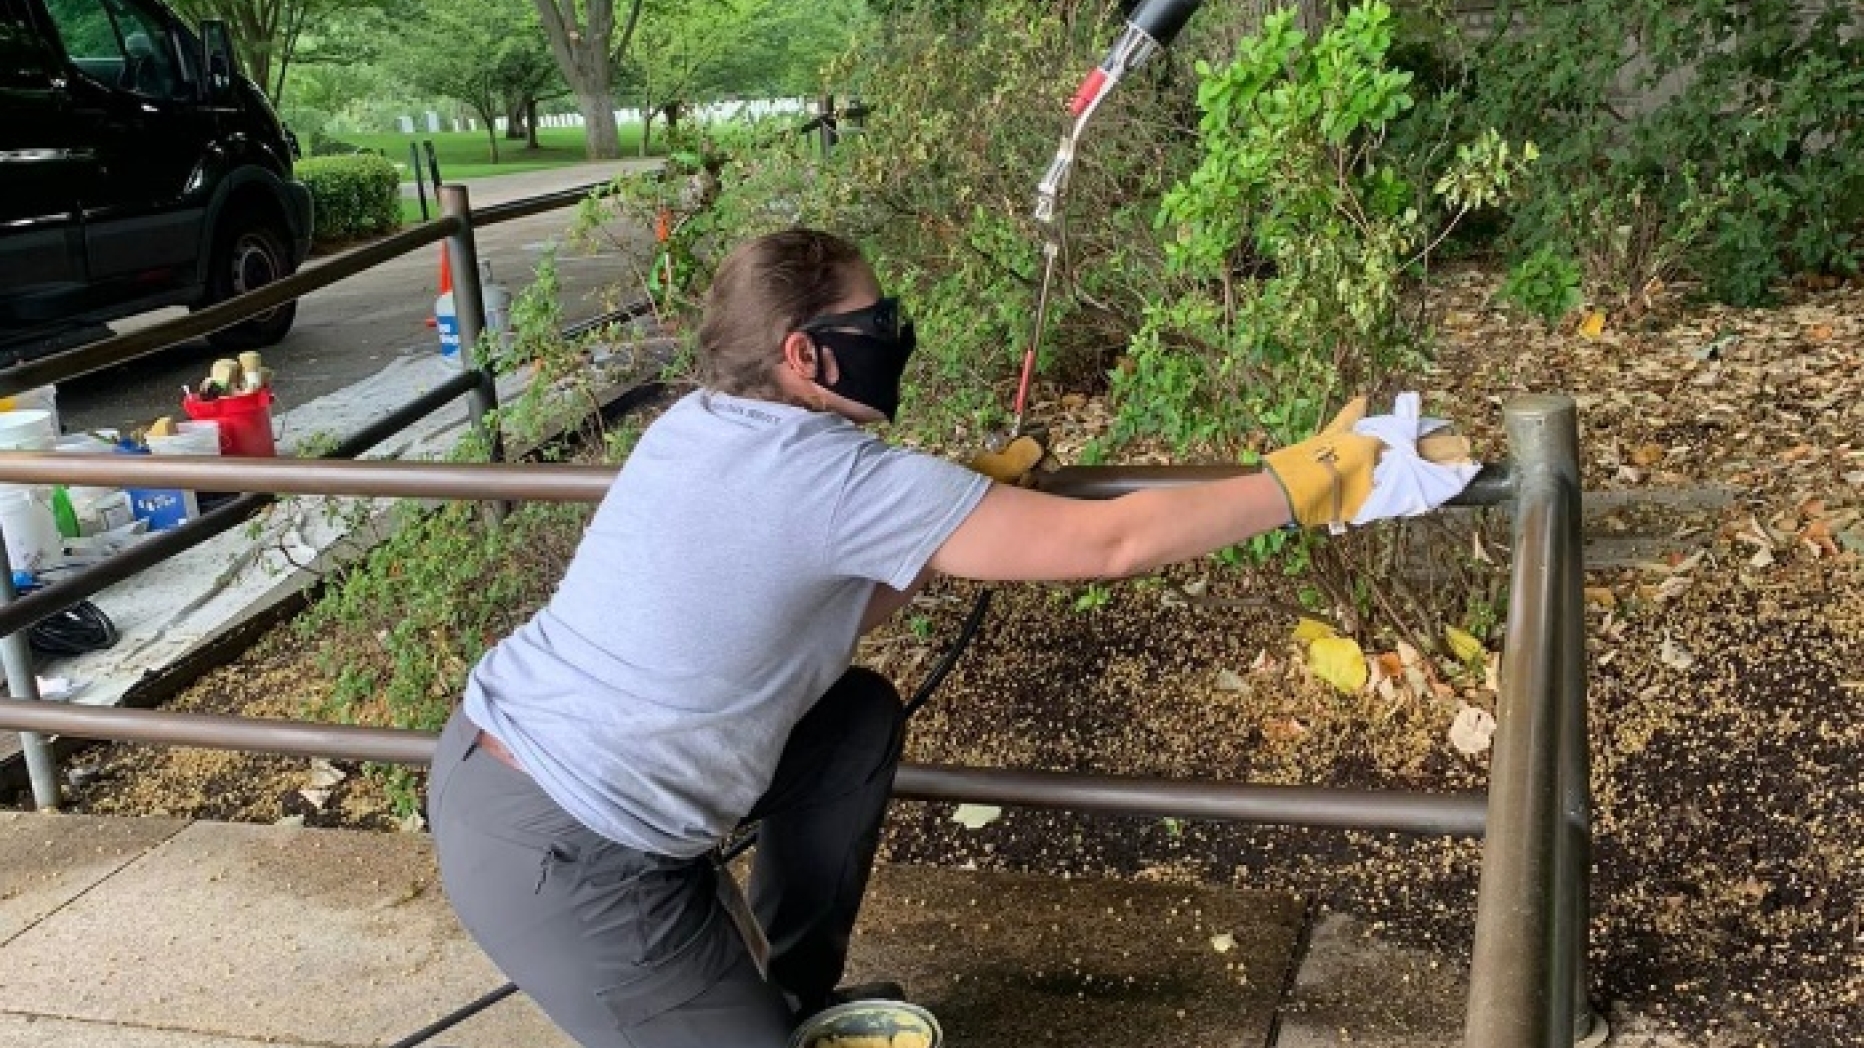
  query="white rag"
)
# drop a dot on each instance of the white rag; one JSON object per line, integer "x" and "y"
{"x": 1403, "y": 483}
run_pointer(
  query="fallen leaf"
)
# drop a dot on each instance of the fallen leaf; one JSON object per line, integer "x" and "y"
{"x": 1339, "y": 662}
{"x": 1464, "y": 646}
{"x": 1283, "y": 730}
{"x": 1593, "y": 325}
{"x": 1391, "y": 664}
{"x": 1309, "y": 630}
{"x": 1472, "y": 731}
{"x": 1674, "y": 655}
{"x": 1408, "y": 654}
{"x": 976, "y": 816}
{"x": 1819, "y": 333}
{"x": 1602, "y": 596}
{"x": 1763, "y": 557}
{"x": 1230, "y": 680}
{"x": 1647, "y": 455}
{"x": 1223, "y": 943}
{"x": 1674, "y": 587}
{"x": 325, "y": 774}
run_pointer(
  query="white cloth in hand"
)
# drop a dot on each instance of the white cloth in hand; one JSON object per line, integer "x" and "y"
{"x": 1404, "y": 484}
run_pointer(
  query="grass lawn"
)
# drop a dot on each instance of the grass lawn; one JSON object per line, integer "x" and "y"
{"x": 465, "y": 154}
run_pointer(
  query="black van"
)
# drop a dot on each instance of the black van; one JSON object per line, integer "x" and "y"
{"x": 138, "y": 170}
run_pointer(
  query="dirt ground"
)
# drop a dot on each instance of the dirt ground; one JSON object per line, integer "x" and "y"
{"x": 1725, "y": 629}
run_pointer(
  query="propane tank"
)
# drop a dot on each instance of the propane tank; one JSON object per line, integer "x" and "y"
{"x": 497, "y": 298}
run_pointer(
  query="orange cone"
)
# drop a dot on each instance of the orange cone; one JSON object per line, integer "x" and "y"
{"x": 446, "y": 280}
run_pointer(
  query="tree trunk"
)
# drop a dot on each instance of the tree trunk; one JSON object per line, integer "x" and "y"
{"x": 582, "y": 51}
{"x": 514, "y": 120}
{"x": 530, "y": 124}
{"x": 598, "y": 113}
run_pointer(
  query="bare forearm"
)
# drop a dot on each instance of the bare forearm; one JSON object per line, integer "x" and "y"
{"x": 1166, "y": 526}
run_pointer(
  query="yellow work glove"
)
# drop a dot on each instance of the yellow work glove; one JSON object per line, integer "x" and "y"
{"x": 1015, "y": 463}
{"x": 1327, "y": 476}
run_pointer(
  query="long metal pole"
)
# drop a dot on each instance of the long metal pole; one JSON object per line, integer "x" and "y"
{"x": 1448, "y": 814}
{"x": 23, "y": 685}
{"x": 469, "y": 305}
{"x": 1520, "y": 995}
{"x": 1492, "y": 486}
{"x": 371, "y": 477}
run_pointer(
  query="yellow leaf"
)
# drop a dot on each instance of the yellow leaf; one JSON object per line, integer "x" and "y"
{"x": 1339, "y": 662}
{"x": 1312, "y": 630}
{"x": 1593, "y": 325}
{"x": 1462, "y": 645}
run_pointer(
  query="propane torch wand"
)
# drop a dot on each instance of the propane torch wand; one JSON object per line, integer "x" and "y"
{"x": 1154, "y": 24}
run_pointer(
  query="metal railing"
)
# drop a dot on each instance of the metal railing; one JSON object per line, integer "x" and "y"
{"x": 1529, "y": 984}
{"x": 477, "y": 383}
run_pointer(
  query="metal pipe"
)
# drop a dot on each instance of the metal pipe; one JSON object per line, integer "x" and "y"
{"x": 1550, "y": 432}
{"x": 220, "y": 732}
{"x": 23, "y": 684}
{"x": 536, "y": 205}
{"x": 1452, "y": 814}
{"x": 469, "y": 307}
{"x": 58, "y": 367}
{"x": 151, "y": 551}
{"x": 1449, "y": 814}
{"x": 1492, "y": 486}
{"x": 373, "y": 477}
{"x": 1520, "y": 994}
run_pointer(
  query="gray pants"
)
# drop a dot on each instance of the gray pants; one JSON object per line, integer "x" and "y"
{"x": 625, "y": 949}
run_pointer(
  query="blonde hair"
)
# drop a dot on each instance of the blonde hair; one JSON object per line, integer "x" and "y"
{"x": 765, "y": 289}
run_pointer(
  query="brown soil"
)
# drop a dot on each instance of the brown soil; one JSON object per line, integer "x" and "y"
{"x": 1727, "y": 693}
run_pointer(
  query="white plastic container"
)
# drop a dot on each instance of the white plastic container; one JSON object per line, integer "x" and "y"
{"x": 191, "y": 438}
{"x": 98, "y": 509}
{"x": 45, "y": 399}
{"x": 29, "y": 429}
{"x": 32, "y": 540}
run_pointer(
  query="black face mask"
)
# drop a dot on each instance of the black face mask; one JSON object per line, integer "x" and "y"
{"x": 871, "y": 347}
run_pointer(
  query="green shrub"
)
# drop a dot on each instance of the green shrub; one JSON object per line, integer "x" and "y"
{"x": 1295, "y": 240}
{"x": 1720, "y": 140}
{"x": 354, "y": 196}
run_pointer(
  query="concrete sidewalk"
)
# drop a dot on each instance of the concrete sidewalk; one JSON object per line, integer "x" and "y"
{"x": 157, "y": 933}
{"x": 162, "y": 933}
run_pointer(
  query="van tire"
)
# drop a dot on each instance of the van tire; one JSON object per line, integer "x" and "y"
{"x": 250, "y": 251}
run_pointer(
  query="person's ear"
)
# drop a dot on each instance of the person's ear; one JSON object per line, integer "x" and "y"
{"x": 810, "y": 362}
{"x": 799, "y": 355}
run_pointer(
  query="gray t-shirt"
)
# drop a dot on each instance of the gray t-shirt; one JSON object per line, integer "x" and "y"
{"x": 716, "y": 595}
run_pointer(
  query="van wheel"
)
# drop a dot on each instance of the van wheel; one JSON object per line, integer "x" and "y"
{"x": 249, "y": 253}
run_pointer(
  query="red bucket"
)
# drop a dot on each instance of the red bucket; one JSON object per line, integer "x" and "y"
{"x": 245, "y": 422}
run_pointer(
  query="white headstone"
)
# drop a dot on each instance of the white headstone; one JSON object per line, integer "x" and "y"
{"x": 405, "y": 124}
{"x": 501, "y": 125}
{"x": 578, "y": 120}
{"x": 456, "y": 123}
{"x": 433, "y": 121}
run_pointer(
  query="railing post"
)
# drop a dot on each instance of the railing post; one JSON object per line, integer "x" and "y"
{"x": 1527, "y": 970}
{"x": 23, "y": 683}
{"x": 1561, "y": 435}
{"x": 469, "y": 304}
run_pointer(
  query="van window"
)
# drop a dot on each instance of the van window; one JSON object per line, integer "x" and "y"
{"x": 120, "y": 45}
{"x": 22, "y": 65}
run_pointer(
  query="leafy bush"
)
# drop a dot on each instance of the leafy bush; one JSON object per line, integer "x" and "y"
{"x": 1720, "y": 139}
{"x": 1546, "y": 284}
{"x": 1294, "y": 240}
{"x": 354, "y": 196}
